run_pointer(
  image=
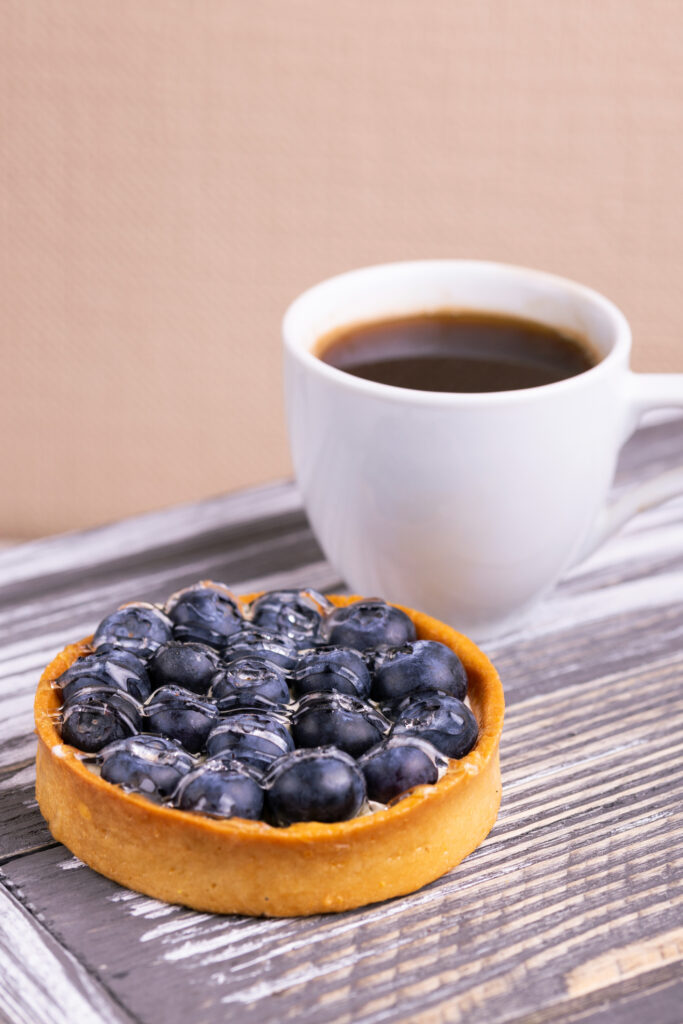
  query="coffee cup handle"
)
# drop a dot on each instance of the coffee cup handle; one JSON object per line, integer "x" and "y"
{"x": 644, "y": 393}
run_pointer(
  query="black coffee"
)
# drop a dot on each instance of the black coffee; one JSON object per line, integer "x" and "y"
{"x": 460, "y": 352}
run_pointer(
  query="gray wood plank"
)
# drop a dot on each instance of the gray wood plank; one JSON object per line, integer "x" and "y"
{"x": 40, "y": 982}
{"x": 656, "y": 996}
{"x": 22, "y": 827}
{"x": 581, "y": 876}
{"x": 584, "y": 864}
{"x": 657, "y": 446}
{"x": 529, "y": 668}
{"x": 566, "y": 653}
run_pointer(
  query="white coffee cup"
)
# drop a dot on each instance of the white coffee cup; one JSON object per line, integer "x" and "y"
{"x": 466, "y": 506}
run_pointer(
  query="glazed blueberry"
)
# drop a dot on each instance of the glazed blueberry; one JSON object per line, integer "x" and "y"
{"x": 416, "y": 667}
{"x": 221, "y": 789}
{"x": 251, "y": 677}
{"x": 151, "y": 765}
{"x": 98, "y": 715}
{"x": 190, "y": 665}
{"x": 323, "y": 784}
{"x": 443, "y": 721}
{"x": 254, "y": 642}
{"x": 290, "y": 613}
{"x": 136, "y": 627}
{"x": 257, "y": 762}
{"x": 119, "y": 669}
{"x": 246, "y": 701}
{"x": 255, "y": 737}
{"x": 181, "y": 715}
{"x": 112, "y": 648}
{"x": 397, "y": 765}
{"x": 206, "y": 612}
{"x": 338, "y": 720}
{"x": 117, "y": 698}
{"x": 221, "y": 684}
{"x": 366, "y": 624}
{"x": 329, "y": 668}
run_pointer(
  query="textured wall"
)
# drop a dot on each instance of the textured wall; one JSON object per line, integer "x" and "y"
{"x": 173, "y": 172}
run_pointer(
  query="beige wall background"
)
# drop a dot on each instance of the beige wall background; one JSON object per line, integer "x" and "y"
{"x": 173, "y": 172}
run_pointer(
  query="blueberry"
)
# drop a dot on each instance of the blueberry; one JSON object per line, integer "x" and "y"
{"x": 254, "y": 737}
{"x": 135, "y": 627}
{"x": 443, "y": 721}
{"x": 181, "y": 715}
{"x": 206, "y": 612}
{"x": 397, "y": 765}
{"x": 326, "y": 668}
{"x": 113, "y": 648}
{"x": 366, "y": 624}
{"x": 246, "y": 701}
{"x": 254, "y": 642}
{"x": 416, "y": 667}
{"x": 258, "y": 762}
{"x": 106, "y": 667}
{"x": 220, "y": 789}
{"x": 98, "y": 715}
{"x": 337, "y": 720}
{"x": 113, "y": 695}
{"x": 323, "y": 784}
{"x": 190, "y": 665}
{"x": 151, "y": 765}
{"x": 251, "y": 677}
{"x": 291, "y": 613}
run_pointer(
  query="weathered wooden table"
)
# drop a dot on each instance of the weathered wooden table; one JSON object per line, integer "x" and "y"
{"x": 570, "y": 911}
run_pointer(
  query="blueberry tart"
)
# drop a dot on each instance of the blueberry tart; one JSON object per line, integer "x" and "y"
{"x": 277, "y": 754}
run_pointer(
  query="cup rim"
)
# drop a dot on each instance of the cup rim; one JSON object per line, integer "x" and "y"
{"x": 390, "y": 392}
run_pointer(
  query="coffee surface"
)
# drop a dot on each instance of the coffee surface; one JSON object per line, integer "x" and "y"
{"x": 457, "y": 352}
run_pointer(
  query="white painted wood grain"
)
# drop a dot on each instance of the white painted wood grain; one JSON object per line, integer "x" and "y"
{"x": 41, "y": 983}
{"x": 602, "y": 776}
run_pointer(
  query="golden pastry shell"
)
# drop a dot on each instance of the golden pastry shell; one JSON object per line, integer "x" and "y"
{"x": 236, "y": 866}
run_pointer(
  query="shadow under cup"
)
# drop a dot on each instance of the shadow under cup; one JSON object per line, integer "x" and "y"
{"x": 468, "y": 506}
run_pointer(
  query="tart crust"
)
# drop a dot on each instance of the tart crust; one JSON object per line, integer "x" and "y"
{"x": 236, "y": 866}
